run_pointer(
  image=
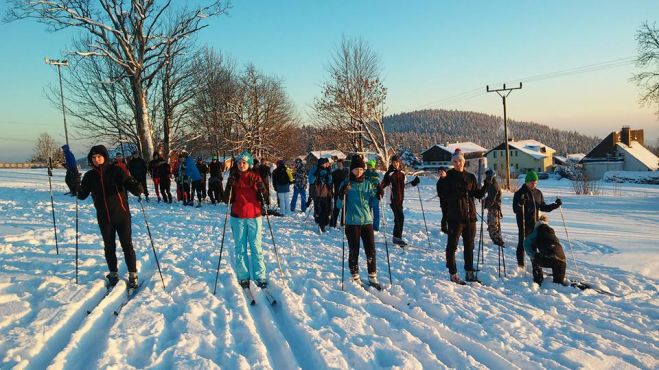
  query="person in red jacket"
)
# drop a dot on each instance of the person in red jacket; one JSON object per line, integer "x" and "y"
{"x": 244, "y": 193}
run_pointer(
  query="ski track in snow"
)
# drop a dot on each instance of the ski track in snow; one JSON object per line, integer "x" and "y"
{"x": 421, "y": 321}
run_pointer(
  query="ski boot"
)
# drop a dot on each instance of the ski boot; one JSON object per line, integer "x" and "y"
{"x": 373, "y": 281}
{"x": 244, "y": 284}
{"x": 470, "y": 276}
{"x": 132, "y": 280}
{"x": 356, "y": 279}
{"x": 113, "y": 279}
{"x": 262, "y": 284}
{"x": 399, "y": 242}
{"x": 456, "y": 279}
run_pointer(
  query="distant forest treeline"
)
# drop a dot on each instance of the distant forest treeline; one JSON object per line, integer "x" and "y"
{"x": 419, "y": 130}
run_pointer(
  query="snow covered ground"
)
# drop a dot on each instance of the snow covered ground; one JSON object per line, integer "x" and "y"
{"x": 421, "y": 321}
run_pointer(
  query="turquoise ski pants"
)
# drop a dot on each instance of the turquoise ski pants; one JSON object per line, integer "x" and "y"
{"x": 247, "y": 231}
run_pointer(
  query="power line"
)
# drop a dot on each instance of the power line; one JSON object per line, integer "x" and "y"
{"x": 476, "y": 92}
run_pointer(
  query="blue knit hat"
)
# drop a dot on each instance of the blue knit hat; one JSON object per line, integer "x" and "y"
{"x": 245, "y": 156}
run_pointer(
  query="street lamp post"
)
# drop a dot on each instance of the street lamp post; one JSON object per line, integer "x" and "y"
{"x": 60, "y": 64}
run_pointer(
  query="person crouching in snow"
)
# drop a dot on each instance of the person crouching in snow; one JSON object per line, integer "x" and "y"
{"x": 244, "y": 192}
{"x": 107, "y": 183}
{"x": 359, "y": 194}
{"x": 545, "y": 250}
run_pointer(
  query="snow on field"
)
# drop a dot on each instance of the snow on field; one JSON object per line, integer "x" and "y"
{"x": 421, "y": 321}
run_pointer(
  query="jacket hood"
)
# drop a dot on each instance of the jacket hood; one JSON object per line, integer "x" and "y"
{"x": 98, "y": 149}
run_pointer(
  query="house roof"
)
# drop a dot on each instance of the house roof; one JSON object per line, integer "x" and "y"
{"x": 530, "y": 147}
{"x": 328, "y": 154}
{"x": 465, "y": 147}
{"x": 639, "y": 152}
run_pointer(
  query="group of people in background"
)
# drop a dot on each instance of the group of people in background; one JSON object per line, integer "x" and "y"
{"x": 351, "y": 195}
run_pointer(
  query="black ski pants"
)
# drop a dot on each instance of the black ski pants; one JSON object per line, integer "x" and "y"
{"x": 142, "y": 180}
{"x": 323, "y": 207}
{"x": 399, "y": 219}
{"x": 455, "y": 231}
{"x": 521, "y": 235}
{"x": 109, "y": 231}
{"x": 364, "y": 232}
{"x": 198, "y": 187}
{"x": 215, "y": 190}
{"x": 557, "y": 268}
{"x": 164, "y": 185}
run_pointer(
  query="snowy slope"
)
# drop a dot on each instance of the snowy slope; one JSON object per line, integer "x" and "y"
{"x": 421, "y": 321}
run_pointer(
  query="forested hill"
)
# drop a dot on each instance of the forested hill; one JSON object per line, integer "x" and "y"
{"x": 419, "y": 130}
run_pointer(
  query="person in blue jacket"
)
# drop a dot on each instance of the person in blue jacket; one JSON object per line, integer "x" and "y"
{"x": 358, "y": 194}
{"x": 72, "y": 174}
{"x": 189, "y": 175}
{"x": 372, "y": 176}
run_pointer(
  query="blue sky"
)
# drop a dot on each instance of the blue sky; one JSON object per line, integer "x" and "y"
{"x": 430, "y": 51}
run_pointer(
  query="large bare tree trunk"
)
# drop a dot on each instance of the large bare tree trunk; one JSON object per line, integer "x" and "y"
{"x": 142, "y": 118}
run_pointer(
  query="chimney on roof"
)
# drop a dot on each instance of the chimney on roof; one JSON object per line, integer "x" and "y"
{"x": 626, "y": 135}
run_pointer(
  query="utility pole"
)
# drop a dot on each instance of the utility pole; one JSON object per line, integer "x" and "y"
{"x": 60, "y": 64}
{"x": 503, "y": 93}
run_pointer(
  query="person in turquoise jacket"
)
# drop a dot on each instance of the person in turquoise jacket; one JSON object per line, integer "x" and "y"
{"x": 372, "y": 176}
{"x": 358, "y": 194}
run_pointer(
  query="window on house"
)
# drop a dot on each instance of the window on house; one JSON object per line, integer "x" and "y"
{"x": 494, "y": 153}
{"x": 517, "y": 166}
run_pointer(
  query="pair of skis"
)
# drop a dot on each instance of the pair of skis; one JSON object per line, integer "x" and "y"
{"x": 249, "y": 296}
{"x": 130, "y": 294}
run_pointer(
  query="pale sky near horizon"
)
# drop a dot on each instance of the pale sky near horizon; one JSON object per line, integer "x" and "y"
{"x": 434, "y": 54}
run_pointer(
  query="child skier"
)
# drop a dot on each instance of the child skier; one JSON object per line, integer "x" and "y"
{"x": 244, "y": 192}
{"x": 545, "y": 250}
{"x": 106, "y": 182}
{"x": 359, "y": 194}
{"x": 372, "y": 176}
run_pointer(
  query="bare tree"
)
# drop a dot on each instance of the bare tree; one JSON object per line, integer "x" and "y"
{"x": 261, "y": 115}
{"x": 648, "y": 57}
{"x": 353, "y": 97}
{"x": 216, "y": 81}
{"x": 45, "y": 148}
{"x": 134, "y": 35}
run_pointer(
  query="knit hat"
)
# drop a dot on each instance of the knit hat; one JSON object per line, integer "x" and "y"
{"x": 457, "y": 155}
{"x": 394, "y": 158}
{"x": 214, "y": 158}
{"x": 371, "y": 163}
{"x": 322, "y": 161}
{"x": 357, "y": 162}
{"x": 489, "y": 172}
{"x": 531, "y": 176}
{"x": 245, "y": 156}
{"x": 280, "y": 162}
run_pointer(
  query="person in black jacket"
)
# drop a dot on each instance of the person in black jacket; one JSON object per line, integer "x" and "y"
{"x": 545, "y": 250}
{"x": 396, "y": 178}
{"x": 459, "y": 188}
{"x": 338, "y": 176}
{"x": 528, "y": 202}
{"x": 492, "y": 202}
{"x": 138, "y": 169}
{"x": 164, "y": 171}
{"x": 106, "y": 183}
{"x": 154, "y": 173}
{"x": 215, "y": 190}
{"x": 441, "y": 175}
{"x": 203, "y": 171}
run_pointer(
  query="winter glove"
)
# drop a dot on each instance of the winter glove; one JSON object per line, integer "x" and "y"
{"x": 522, "y": 201}
{"x": 416, "y": 181}
{"x": 379, "y": 193}
{"x": 344, "y": 190}
{"x": 558, "y": 202}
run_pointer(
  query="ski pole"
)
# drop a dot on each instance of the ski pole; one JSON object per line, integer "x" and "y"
{"x": 77, "y": 202}
{"x": 155, "y": 255}
{"x": 523, "y": 226}
{"x": 503, "y": 259}
{"x": 386, "y": 246}
{"x": 52, "y": 202}
{"x": 480, "y": 242}
{"x": 224, "y": 231}
{"x": 424, "y": 216}
{"x": 576, "y": 269}
{"x": 499, "y": 261}
{"x": 343, "y": 244}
